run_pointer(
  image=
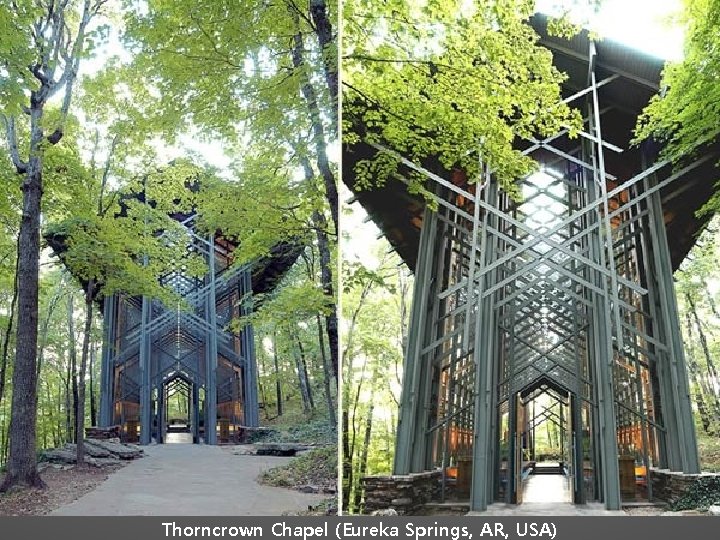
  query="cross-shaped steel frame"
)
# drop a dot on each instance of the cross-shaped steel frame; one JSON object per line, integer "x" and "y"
{"x": 602, "y": 274}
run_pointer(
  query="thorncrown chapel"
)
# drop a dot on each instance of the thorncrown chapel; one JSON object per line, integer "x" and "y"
{"x": 557, "y": 308}
{"x": 152, "y": 352}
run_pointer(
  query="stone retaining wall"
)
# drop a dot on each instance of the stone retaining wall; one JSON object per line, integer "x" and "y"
{"x": 668, "y": 486}
{"x": 406, "y": 493}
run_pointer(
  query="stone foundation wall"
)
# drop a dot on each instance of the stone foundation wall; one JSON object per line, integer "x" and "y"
{"x": 668, "y": 486}
{"x": 406, "y": 493}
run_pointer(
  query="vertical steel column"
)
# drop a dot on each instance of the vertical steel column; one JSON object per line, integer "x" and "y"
{"x": 493, "y": 343}
{"x": 106, "y": 367}
{"x": 678, "y": 409}
{"x": 211, "y": 351}
{"x": 250, "y": 404}
{"x": 429, "y": 375}
{"x": 483, "y": 358}
{"x": 605, "y": 305}
{"x": 576, "y": 395}
{"x": 195, "y": 413}
{"x": 410, "y": 423}
{"x": 145, "y": 368}
{"x": 575, "y": 412}
{"x": 160, "y": 413}
{"x": 511, "y": 478}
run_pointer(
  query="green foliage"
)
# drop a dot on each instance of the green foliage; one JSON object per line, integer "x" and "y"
{"x": 297, "y": 297}
{"x": 440, "y": 81}
{"x": 685, "y": 116}
{"x": 375, "y": 309}
{"x": 226, "y": 68}
{"x": 316, "y": 468}
{"x": 129, "y": 245}
{"x": 268, "y": 207}
{"x": 238, "y": 72}
{"x": 709, "y": 450}
{"x": 703, "y": 493}
{"x": 357, "y": 276}
{"x": 695, "y": 284}
{"x": 298, "y": 430}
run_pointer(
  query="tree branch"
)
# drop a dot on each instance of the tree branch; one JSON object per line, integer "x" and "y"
{"x": 11, "y": 134}
{"x": 105, "y": 175}
{"x": 72, "y": 64}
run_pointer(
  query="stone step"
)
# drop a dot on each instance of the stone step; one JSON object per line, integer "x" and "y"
{"x": 547, "y": 470}
{"x": 271, "y": 449}
{"x": 449, "y": 508}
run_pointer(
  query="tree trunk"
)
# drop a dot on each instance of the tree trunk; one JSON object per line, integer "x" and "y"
{"x": 48, "y": 396}
{"x": 73, "y": 360}
{"x": 302, "y": 379}
{"x": 8, "y": 329}
{"x": 328, "y": 49}
{"x": 693, "y": 372}
{"x": 263, "y": 399}
{"x": 319, "y": 140}
{"x": 710, "y": 299}
{"x": 59, "y": 406}
{"x": 331, "y": 319}
{"x": 278, "y": 384}
{"x": 80, "y": 418}
{"x": 711, "y": 372}
{"x": 262, "y": 388}
{"x": 362, "y": 467}
{"x": 44, "y": 332}
{"x": 3, "y": 434}
{"x": 22, "y": 462}
{"x": 404, "y": 320}
{"x": 93, "y": 402}
{"x": 326, "y": 376}
{"x": 347, "y": 479}
{"x": 58, "y": 409}
{"x": 5, "y": 437}
{"x": 348, "y": 424}
{"x": 68, "y": 408}
{"x": 303, "y": 365}
{"x": 326, "y": 278}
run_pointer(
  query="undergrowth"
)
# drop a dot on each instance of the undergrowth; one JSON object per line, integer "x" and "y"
{"x": 704, "y": 493}
{"x": 317, "y": 468}
{"x": 312, "y": 432}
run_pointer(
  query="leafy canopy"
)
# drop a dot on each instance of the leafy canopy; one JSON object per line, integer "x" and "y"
{"x": 686, "y": 115}
{"x": 447, "y": 79}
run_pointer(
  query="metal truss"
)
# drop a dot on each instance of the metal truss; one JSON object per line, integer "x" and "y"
{"x": 567, "y": 293}
{"x": 150, "y": 348}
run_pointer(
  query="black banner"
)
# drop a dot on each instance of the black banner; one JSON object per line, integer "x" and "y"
{"x": 351, "y": 528}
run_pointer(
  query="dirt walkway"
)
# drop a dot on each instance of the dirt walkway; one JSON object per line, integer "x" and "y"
{"x": 190, "y": 480}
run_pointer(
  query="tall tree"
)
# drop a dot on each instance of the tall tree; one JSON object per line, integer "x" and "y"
{"x": 41, "y": 55}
